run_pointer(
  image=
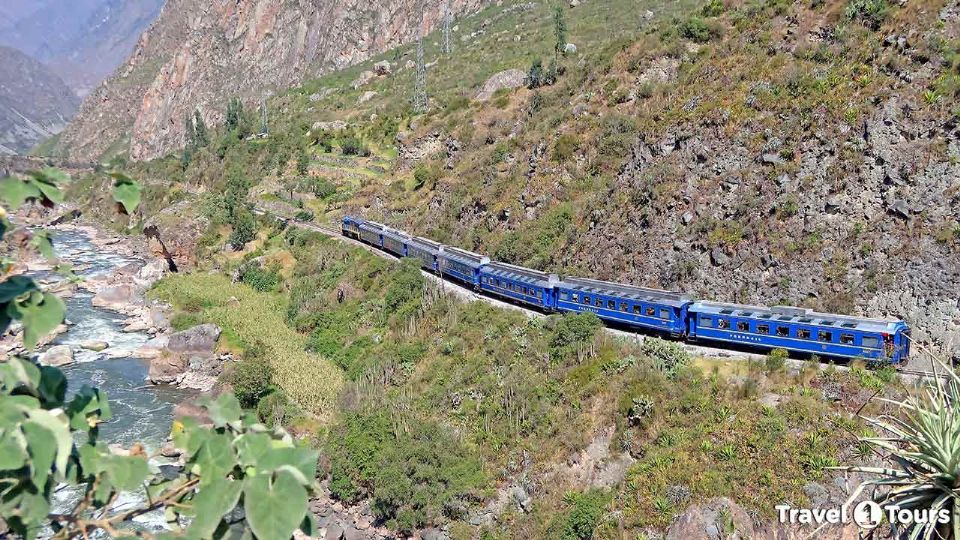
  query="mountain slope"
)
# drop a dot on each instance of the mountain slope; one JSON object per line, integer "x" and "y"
{"x": 198, "y": 55}
{"x": 34, "y": 102}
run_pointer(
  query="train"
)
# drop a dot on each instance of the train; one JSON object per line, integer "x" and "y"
{"x": 668, "y": 314}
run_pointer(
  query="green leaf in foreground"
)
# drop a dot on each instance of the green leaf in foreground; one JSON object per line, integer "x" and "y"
{"x": 126, "y": 192}
{"x": 280, "y": 506}
{"x": 210, "y": 505}
{"x": 40, "y": 313}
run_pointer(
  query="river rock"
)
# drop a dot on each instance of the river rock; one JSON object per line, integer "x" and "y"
{"x": 152, "y": 272}
{"x": 167, "y": 368}
{"x": 116, "y": 297}
{"x": 200, "y": 340}
{"x": 510, "y": 79}
{"x": 57, "y": 356}
{"x": 189, "y": 409}
{"x": 93, "y": 345}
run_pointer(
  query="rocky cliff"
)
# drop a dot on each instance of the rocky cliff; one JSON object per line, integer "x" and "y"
{"x": 34, "y": 102}
{"x": 199, "y": 54}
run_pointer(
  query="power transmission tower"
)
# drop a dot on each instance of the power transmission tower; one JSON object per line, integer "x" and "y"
{"x": 420, "y": 82}
{"x": 447, "y": 23}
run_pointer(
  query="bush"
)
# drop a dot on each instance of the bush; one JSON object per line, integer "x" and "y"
{"x": 322, "y": 189}
{"x": 573, "y": 332}
{"x": 871, "y": 13}
{"x": 586, "y": 509}
{"x": 536, "y": 76}
{"x": 414, "y": 477}
{"x": 252, "y": 377}
{"x": 668, "y": 356}
{"x": 244, "y": 228}
{"x": 696, "y": 29}
{"x": 303, "y": 215}
{"x": 260, "y": 278}
{"x": 713, "y": 8}
{"x": 566, "y": 146}
{"x": 776, "y": 360}
{"x": 351, "y": 145}
{"x": 425, "y": 176}
{"x": 405, "y": 294}
{"x": 276, "y": 410}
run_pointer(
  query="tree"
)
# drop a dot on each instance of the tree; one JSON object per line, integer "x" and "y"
{"x": 535, "y": 77}
{"x": 560, "y": 31}
{"x": 303, "y": 161}
{"x": 200, "y": 138}
{"x": 244, "y": 228}
{"x": 240, "y": 478}
{"x": 234, "y": 114}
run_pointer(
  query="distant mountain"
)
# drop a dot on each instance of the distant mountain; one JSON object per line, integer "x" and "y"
{"x": 200, "y": 53}
{"x": 83, "y": 41}
{"x": 34, "y": 102}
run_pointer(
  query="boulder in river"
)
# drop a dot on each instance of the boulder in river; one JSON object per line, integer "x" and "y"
{"x": 94, "y": 345}
{"x": 167, "y": 368}
{"x": 197, "y": 341}
{"x": 117, "y": 297}
{"x": 57, "y": 356}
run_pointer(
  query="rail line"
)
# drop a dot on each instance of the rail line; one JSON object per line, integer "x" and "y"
{"x": 465, "y": 293}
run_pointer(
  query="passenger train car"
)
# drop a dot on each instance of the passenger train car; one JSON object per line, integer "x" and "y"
{"x": 666, "y": 313}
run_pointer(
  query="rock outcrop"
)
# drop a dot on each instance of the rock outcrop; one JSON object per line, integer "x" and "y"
{"x": 173, "y": 234}
{"x": 57, "y": 356}
{"x": 199, "y": 53}
{"x": 188, "y": 358}
{"x": 509, "y": 79}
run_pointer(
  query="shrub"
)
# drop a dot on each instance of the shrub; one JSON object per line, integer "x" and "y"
{"x": 776, "y": 360}
{"x": 871, "y": 13}
{"x": 565, "y": 147}
{"x": 260, "y": 278}
{"x": 405, "y": 294}
{"x": 586, "y": 509}
{"x": 696, "y": 29}
{"x": 425, "y": 176}
{"x": 252, "y": 376}
{"x": 536, "y": 76}
{"x": 351, "y": 145}
{"x": 303, "y": 215}
{"x": 244, "y": 228}
{"x": 713, "y": 8}
{"x": 322, "y": 188}
{"x": 573, "y": 332}
{"x": 276, "y": 410}
{"x": 668, "y": 356}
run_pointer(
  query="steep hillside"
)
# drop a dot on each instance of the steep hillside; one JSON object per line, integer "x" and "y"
{"x": 34, "y": 102}
{"x": 82, "y": 41}
{"x": 198, "y": 55}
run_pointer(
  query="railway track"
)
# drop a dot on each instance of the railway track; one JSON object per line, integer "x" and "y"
{"x": 907, "y": 374}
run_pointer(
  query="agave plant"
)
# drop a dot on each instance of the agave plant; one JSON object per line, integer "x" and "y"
{"x": 924, "y": 442}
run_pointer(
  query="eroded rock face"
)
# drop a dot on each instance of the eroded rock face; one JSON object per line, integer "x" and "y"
{"x": 173, "y": 234}
{"x": 715, "y": 519}
{"x": 199, "y": 53}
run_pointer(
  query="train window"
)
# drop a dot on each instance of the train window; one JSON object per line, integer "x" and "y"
{"x": 871, "y": 342}
{"x": 598, "y": 302}
{"x": 651, "y": 311}
{"x": 664, "y": 313}
{"x": 846, "y": 339}
{"x": 706, "y": 322}
{"x": 636, "y": 309}
{"x": 803, "y": 333}
{"x": 743, "y": 326}
{"x": 783, "y": 331}
{"x": 763, "y": 329}
{"x": 565, "y": 296}
{"x": 540, "y": 294}
{"x": 723, "y": 324}
{"x": 611, "y": 304}
{"x": 575, "y": 297}
{"x": 823, "y": 335}
{"x": 586, "y": 300}
{"x": 623, "y": 307}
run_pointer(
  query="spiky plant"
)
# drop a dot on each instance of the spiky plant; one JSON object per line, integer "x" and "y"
{"x": 924, "y": 442}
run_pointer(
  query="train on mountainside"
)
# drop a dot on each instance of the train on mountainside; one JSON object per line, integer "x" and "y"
{"x": 666, "y": 313}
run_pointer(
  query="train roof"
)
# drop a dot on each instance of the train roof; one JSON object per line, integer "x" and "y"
{"x": 520, "y": 273}
{"x": 425, "y": 244}
{"x": 798, "y": 315}
{"x": 396, "y": 234}
{"x": 670, "y": 298}
{"x": 373, "y": 225}
{"x": 464, "y": 256}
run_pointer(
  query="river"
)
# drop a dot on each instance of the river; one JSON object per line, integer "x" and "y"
{"x": 141, "y": 412}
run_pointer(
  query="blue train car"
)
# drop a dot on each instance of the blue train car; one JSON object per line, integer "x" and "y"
{"x": 350, "y": 227}
{"x": 650, "y": 309}
{"x": 426, "y": 250}
{"x": 371, "y": 233}
{"x": 802, "y": 331}
{"x": 395, "y": 241}
{"x": 461, "y": 265}
{"x": 521, "y": 284}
